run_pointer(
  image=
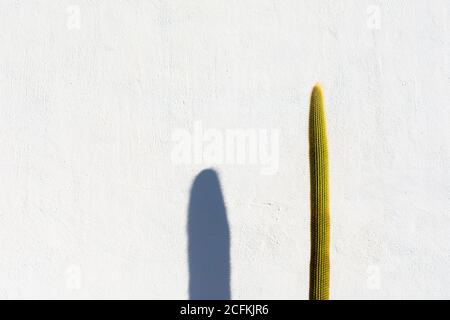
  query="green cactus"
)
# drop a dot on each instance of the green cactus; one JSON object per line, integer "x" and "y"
{"x": 319, "y": 277}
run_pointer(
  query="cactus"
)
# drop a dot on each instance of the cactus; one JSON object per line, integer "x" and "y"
{"x": 320, "y": 217}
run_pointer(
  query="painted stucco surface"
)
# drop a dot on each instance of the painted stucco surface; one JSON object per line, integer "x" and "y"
{"x": 93, "y": 203}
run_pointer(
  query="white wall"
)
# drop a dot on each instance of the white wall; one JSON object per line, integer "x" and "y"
{"x": 94, "y": 205}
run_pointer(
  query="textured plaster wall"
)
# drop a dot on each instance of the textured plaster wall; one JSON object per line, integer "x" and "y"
{"x": 94, "y": 205}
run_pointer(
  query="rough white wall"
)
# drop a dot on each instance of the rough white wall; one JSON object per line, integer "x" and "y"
{"x": 94, "y": 205}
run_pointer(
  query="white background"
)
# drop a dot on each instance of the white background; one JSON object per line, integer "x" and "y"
{"x": 92, "y": 205}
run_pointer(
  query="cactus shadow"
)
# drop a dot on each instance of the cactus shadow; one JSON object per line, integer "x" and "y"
{"x": 208, "y": 240}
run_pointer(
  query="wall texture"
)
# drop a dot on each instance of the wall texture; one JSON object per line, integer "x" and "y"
{"x": 106, "y": 108}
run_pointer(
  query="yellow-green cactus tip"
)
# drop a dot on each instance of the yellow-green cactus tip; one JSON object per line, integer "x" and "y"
{"x": 317, "y": 90}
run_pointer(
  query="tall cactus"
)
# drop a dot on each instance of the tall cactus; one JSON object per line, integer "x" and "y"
{"x": 320, "y": 216}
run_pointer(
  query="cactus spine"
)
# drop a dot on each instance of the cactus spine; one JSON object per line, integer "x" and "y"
{"x": 320, "y": 216}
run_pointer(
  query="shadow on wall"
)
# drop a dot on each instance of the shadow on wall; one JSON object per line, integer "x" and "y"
{"x": 209, "y": 240}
